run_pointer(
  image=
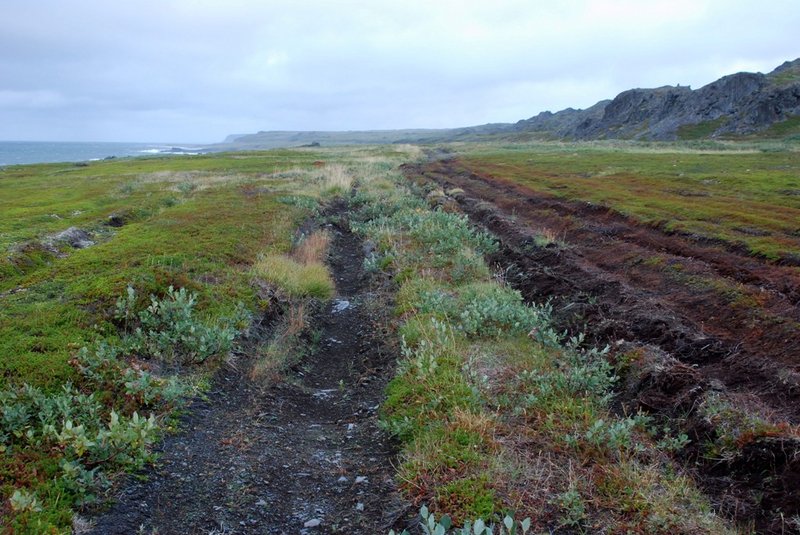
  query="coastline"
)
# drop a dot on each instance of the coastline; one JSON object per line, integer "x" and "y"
{"x": 38, "y": 152}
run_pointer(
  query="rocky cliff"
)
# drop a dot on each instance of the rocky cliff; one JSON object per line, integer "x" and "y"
{"x": 735, "y": 105}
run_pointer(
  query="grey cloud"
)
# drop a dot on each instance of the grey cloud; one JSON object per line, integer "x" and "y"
{"x": 188, "y": 71}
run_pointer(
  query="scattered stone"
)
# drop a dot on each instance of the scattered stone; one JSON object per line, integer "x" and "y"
{"x": 75, "y": 237}
{"x": 81, "y": 526}
{"x": 361, "y": 479}
{"x": 340, "y": 305}
{"x": 314, "y": 522}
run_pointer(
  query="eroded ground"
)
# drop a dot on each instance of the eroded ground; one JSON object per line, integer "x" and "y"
{"x": 705, "y": 318}
{"x": 303, "y": 456}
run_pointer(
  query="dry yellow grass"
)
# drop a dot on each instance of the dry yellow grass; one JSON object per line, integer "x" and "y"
{"x": 313, "y": 248}
{"x": 199, "y": 180}
{"x": 336, "y": 179}
{"x": 295, "y": 278}
{"x": 284, "y": 345}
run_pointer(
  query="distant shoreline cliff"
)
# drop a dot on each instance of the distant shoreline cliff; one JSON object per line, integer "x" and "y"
{"x": 738, "y": 105}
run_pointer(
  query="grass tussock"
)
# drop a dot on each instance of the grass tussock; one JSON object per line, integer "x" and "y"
{"x": 313, "y": 249}
{"x": 293, "y": 277}
{"x": 336, "y": 179}
{"x": 284, "y": 347}
{"x": 302, "y": 273}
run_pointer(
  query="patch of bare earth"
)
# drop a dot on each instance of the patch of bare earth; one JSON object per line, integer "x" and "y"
{"x": 303, "y": 456}
{"x": 703, "y": 317}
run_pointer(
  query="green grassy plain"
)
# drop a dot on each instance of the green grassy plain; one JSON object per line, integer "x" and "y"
{"x": 744, "y": 194}
{"x": 197, "y": 223}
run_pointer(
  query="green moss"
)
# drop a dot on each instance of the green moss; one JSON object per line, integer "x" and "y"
{"x": 467, "y": 498}
{"x": 38, "y": 472}
{"x": 415, "y": 403}
{"x": 700, "y": 130}
{"x": 783, "y": 129}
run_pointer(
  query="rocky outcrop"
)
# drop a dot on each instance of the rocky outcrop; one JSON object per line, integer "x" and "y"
{"x": 565, "y": 123}
{"x": 739, "y": 104}
{"x": 74, "y": 237}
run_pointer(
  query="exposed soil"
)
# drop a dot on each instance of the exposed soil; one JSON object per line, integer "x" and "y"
{"x": 302, "y": 456}
{"x": 718, "y": 319}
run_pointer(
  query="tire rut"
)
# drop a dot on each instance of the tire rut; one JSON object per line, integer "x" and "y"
{"x": 303, "y": 456}
{"x": 750, "y": 349}
{"x": 692, "y": 339}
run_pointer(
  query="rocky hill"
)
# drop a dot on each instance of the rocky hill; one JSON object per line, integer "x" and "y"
{"x": 743, "y": 104}
{"x": 735, "y": 105}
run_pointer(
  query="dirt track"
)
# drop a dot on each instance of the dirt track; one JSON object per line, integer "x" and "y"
{"x": 305, "y": 456}
{"x": 724, "y": 320}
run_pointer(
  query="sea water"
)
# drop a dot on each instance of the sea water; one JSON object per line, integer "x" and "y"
{"x": 22, "y": 152}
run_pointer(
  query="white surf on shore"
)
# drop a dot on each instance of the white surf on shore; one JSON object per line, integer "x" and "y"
{"x": 29, "y": 152}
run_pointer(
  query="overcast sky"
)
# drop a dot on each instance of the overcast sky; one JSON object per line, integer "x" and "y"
{"x": 198, "y": 70}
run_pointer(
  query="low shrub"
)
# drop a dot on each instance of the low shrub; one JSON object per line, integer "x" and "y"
{"x": 168, "y": 330}
{"x": 431, "y": 239}
{"x": 84, "y": 432}
{"x": 444, "y": 526}
{"x": 87, "y": 436}
{"x": 483, "y": 309}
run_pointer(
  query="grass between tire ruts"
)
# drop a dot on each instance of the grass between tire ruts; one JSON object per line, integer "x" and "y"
{"x": 498, "y": 415}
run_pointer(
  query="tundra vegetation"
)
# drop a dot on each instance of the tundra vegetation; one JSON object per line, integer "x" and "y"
{"x": 744, "y": 194}
{"x": 504, "y": 422}
{"x": 124, "y": 284}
